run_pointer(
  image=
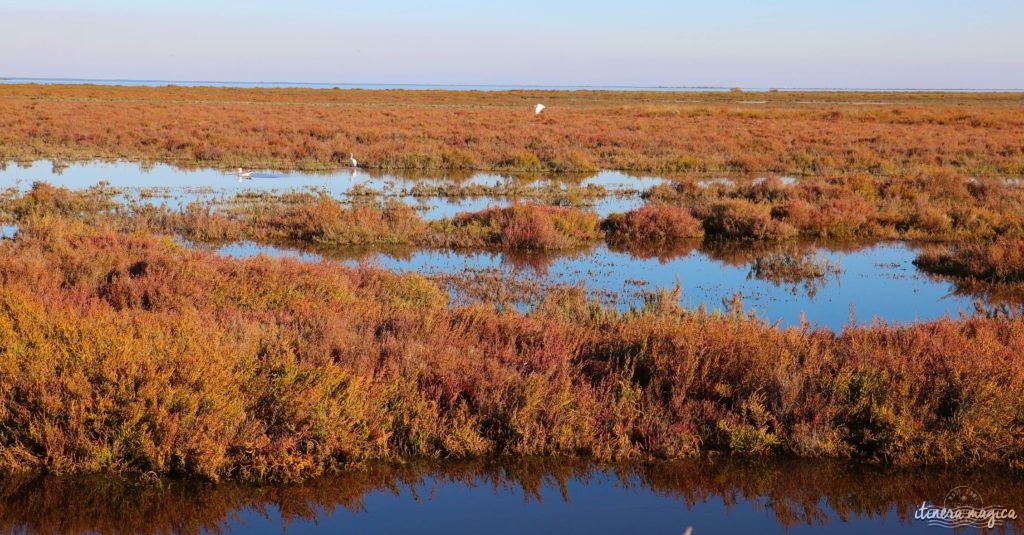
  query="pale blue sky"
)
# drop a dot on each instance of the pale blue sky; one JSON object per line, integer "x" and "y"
{"x": 786, "y": 43}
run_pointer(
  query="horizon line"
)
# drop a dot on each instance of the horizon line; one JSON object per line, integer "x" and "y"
{"x": 357, "y": 85}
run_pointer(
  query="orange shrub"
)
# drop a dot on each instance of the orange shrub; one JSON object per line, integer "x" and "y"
{"x": 847, "y": 217}
{"x": 528, "y": 226}
{"x": 653, "y": 223}
{"x": 1001, "y": 260}
{"x": 743, "y": 219}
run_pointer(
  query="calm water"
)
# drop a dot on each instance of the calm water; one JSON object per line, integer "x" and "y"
{"x": 309, "y": 85}
{"x": 175, "y": 187}
{"x": 531, "y": 496}
{"x": 456, "y": 87}
{"x": 878, "y": 281}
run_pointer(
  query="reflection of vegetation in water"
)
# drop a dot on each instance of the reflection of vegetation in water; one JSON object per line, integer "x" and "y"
{"x": 551, "y": 192}
{"x": 795, "y": 269}
{"x": 991, "y": 271}
{"x": 989, "y": 299}
{"x": 663, "y": 252}
{"x": 790, "y": 492}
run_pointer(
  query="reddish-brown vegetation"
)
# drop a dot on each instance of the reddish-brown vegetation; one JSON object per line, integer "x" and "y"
{"x": 524, "y": 226}
{"x": 738, "y": 218}
{"x": 1001, "y": 260}
{"x": 860, "y": 208}
{"x": 940, "y": 209}
{"x": 799, "y": 133}
{"x": 127, "y": 352}
{"x": 654, "y": 223}
{"x": 319, "y": 220}
{"x": 934, "y": 207}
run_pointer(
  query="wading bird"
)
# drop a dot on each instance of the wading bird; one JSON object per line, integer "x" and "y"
{"x": 352, "y": 160}
{"x": 538, "y": 108}
{"x": 244, "y": 175}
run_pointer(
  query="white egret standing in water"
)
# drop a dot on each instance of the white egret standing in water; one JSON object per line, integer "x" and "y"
{"x": 352, "y": 160}
{"x": 538, "y": 108}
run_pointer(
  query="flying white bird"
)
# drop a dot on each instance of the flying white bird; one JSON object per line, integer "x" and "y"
{"x": 352, "y": 160}
{"x": 538, "y": 108}
{"x": 244, "y": 175}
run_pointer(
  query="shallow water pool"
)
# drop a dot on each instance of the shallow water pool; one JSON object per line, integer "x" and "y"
{"x": 874, "y": 282}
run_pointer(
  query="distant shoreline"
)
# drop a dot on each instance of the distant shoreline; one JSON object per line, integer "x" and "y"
{"x": 479, "y": 87}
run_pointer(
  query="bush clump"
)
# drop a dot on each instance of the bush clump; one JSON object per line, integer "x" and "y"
{"x": 527, "y": 226}
{"x": 653, "y": 223}
{"x": 737, "y": 218}
{"x": 1000, "y": 260}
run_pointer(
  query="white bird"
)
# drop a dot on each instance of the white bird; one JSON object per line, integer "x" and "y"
{"x": 352, "y": 160}
{"x": 538, "y": 108}
{"x": 244, "y": 175}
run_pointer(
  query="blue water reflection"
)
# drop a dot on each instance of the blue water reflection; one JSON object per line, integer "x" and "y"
{"x": 175, "y": 187}
{"x": 876, "y": 281}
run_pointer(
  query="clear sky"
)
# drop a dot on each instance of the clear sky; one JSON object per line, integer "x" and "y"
{"x": 782, "y": 43}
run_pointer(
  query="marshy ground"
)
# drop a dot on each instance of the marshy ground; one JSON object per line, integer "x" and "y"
{"x": 827, "y": 275}
{"x": 112, "y": 319}
{"x": 780, "y": 132}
